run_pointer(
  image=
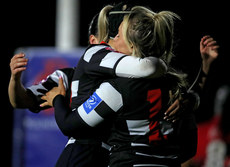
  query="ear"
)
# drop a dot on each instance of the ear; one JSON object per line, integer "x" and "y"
{"x": 93, "y": 39}
{"x": 131, "y": 48}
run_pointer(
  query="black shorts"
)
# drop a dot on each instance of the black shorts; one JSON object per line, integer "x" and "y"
{"x": 83, "y": 155}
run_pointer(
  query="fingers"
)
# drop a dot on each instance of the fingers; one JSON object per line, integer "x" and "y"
{"x": 19, "y": 58}
{"x": 51, "y": 94}
{"x": 18, "y": 63}
{"x": 208, "y": 41}
{"x": 172, "y": 119}
{"x": 204, "y": 38}
{"x": 215, "y": 47}
{"x": 173, "y": 116}
{"x": 45, "y": 104}
{"x": 60, "y": 82}
{"x": 61, "y": 86}
{"x": 44, "y": 97}
{"x": 172, "y": 112}
{"x": 173, "y": 108}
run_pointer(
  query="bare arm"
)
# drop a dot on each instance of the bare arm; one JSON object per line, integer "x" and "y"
{"x": 18, "y": 96}
{"x": 209, "y": 52}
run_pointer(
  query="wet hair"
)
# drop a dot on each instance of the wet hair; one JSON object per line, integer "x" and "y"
{"x": 93, "y": 30}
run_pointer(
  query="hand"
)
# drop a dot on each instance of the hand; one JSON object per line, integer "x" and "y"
{"x": 18, "y": 65}
{"x": 208, "y": 51}
{"x": 49, "y": 96}
{"x": 208, "y": 48}
{"x": 172, "y": 112}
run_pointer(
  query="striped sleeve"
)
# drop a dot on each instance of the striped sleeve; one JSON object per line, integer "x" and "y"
{"x": 38, "y": 90}
{"x": 103, "y": 60}
{"x": 134, "y": 67}
{"x": 104, "y": 102}
{"x": 101, "y": 105}
{"x": 47, "y": 84}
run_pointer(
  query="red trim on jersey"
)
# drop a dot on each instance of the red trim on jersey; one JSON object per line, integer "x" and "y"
{"x": 109, "y": 48}
{"x": 154, "y": 97}
{"x": 103, "y": 42}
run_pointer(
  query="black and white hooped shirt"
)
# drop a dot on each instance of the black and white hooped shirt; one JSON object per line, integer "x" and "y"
{"x": 134, "y": 108}
{"x": 98, "y": 63}
{"x": 101, "y": 62}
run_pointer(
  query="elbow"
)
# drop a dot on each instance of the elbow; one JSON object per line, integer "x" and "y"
{"x": 15, "y": 104}
{"x": 63, "y": 126}
{"x": 66, "y": 130}
{"x": 13, "y": 101}
{"x": 66, "y": 126}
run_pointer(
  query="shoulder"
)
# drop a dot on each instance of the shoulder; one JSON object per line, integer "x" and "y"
{"x": 100, "y": 51}
{"x": 92, "y": 49}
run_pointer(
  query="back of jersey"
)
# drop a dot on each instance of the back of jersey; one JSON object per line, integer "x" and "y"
{"x": 139, "y": 127}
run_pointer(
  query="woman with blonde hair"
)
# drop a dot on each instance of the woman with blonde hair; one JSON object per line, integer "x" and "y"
{"x": 134, "y": 108}
{"x": 98, "y": 63}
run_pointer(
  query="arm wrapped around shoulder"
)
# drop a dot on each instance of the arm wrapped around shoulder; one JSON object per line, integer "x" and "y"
{"x": 134, "y": 67}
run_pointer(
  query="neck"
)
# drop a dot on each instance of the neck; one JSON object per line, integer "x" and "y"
{"x": 111, "y": 43}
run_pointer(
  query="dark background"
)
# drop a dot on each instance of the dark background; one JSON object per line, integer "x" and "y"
{"x": 32, "y": 23}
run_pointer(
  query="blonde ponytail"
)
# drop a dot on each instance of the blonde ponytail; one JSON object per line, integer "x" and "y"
{"x": 164, "y": 32}
{"x": 103, "y": 24}
{"x": 150, "y": 33}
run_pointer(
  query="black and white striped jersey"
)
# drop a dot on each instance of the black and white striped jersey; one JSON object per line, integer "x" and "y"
{"x": 40, "y": 89}
{"x": 136, "y": 105}
{"x": 93, "y": 69}
{"x": 134, "y": 108}
{"x": 101, "y": 62}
